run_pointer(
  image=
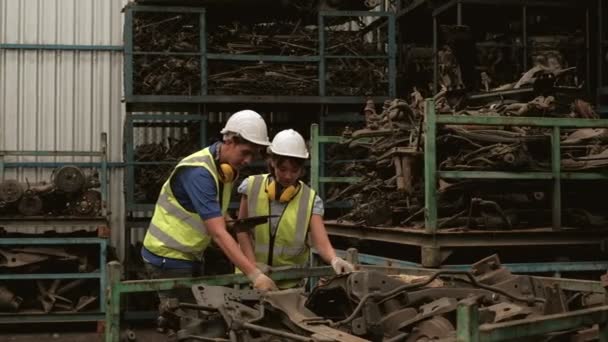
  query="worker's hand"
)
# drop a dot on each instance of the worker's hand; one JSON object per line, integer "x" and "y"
{"x": 341, "y": 266}
{"x": 263, "y": 267}
{"x": 261, "y": 281}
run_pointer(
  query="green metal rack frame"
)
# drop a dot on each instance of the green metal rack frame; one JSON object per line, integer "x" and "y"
{"x": 98, "y": 315}
{"x": 316, "y": 159}
{"x": 433, "y": 242}
{"x": 556, "y": 175}
{"x": 321, "y": 58}
{"x": 468, "y": 326}
{"x": 133, "y": 121}
{"x": 525, "y": 5}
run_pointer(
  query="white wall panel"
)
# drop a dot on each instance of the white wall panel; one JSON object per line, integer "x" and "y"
{"x": 64, "y": 22}
{"x": 63, "y": 100}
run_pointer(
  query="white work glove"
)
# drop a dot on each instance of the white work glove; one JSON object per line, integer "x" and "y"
{"x": 341, "y": 266}
{"x": 263, "y": 267}
{"x": 261, "y": 281}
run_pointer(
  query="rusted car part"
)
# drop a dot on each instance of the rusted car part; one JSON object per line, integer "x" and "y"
{"x": 373, "y": 306}
{"x": 52, "y": 295}
{"x": 8, "y": 300}
{"x": 10, "y": 191}
{"x": 70, "y": 192}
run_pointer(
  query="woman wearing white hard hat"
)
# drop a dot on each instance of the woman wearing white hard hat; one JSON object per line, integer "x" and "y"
{"x": 191, "y": 208}
{"x": 284, "y": 239}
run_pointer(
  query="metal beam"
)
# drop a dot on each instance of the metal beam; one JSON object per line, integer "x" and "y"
{"x": 494, "y": 175}
{"x": 270, "y": 58}
{"x": 520, "y": 237}
{"x": 61, "y": 47}
{"x": 521, "y": 121}
{"x": 515, "y": 330}
{"x": 267, "y": 99}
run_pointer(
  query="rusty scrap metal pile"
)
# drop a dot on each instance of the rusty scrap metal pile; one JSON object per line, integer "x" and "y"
{"x": 149, "y": 179}
{"x": 391, "y": 192}
{"x": 373, "y": 306}
{"x": 59, "y": 295}
{"x": 167, "y": 74}
{"x": 70, "y": 193}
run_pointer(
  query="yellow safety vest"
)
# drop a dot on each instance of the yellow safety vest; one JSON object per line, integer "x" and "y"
{"x": 175, "y": 232}
{"x": 290, "y": 247}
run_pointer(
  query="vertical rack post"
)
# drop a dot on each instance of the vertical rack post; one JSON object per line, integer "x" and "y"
{"x": 104, "y": 174}
{"x": 430, "y": 166}
{"x": 203, "y": 50}
{"x": 392, "y": 57}
{"x": 128, "y": 59}
{"x": 556, "y": 170}
{"x": 321, "y": 29}
{"x": 314, "y": 158}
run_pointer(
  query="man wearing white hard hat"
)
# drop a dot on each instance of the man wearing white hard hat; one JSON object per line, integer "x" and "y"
{"x": 284, "y": 239}
{"x": 192, "y": 204}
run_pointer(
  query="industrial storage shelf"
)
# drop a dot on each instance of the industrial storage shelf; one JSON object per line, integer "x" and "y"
{"x": 320, "y": 57}
{"x": 430, "y": 239}
{"x": 100, "y": 275}
{"x": 101, "y": 165}
{"x": 25, "y": 224}
{"x": 154, "y": 125}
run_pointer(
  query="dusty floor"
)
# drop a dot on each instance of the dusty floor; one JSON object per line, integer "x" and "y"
{"x": 72, "y": 335}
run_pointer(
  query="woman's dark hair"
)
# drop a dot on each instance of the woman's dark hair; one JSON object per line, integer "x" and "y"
{"x": 278, "y": 160}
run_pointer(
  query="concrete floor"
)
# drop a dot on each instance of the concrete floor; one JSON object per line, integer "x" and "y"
{"x": 142, "y": 334}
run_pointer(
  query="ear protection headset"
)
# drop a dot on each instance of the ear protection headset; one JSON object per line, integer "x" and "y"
{"x": 227, "y": 173}
{"x": 280, "y": 193}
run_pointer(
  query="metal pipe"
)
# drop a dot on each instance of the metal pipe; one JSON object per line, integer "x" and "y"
{"x": 435, "y": 60}
{"x": 524, "y": 22}
{"x": 588, "y": 52}
{"x": 275, "y": 332}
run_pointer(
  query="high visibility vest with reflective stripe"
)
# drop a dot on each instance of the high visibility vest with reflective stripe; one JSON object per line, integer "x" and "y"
{"x": 175, "y": 232}
{"x": 290, "y": 247}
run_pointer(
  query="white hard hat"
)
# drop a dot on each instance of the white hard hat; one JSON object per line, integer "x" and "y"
{"x": 289, "y": 143}
{"x": 249, "y": 125}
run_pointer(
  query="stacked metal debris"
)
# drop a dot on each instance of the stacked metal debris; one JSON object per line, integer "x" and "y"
{"x": 373, "y": 306}
{"x": 70, "y": 193}
{"x": 166, "y": 72}
{"x": 391, "y": 192}
{"x": 391, "y": 170}
{"x": 44, "y": 296}
{"x": 163, "y": 73}
{"x": 149, "y": 179}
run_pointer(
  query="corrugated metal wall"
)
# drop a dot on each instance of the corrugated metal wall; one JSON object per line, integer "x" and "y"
{"x": 58, "y": 99}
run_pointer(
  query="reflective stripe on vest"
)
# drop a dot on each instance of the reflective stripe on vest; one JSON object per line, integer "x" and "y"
{"x": 290, "y": 246}
{"x": 175, "y": 232}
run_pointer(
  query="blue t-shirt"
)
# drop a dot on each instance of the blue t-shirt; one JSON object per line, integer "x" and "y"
{"x": 194, "y": 188}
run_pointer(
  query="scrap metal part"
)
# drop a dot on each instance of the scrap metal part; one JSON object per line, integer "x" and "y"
{"x": 373, "y": 306}
{"x": 69, "y": 193}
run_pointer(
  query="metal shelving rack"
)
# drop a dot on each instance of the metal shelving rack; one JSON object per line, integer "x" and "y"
{"x": 602, "y": 63}
{"x": 436, "y": 244}
{"x": 135, "y": 121}
{"x": 134, "y": 100}
{"x": 455, "y": 9}
{"x": 101, "y": 165}
{"x": 100, "y": 276}
{"x": 25, "y": 222}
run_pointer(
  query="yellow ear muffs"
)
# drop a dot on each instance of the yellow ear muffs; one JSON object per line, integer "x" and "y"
{"x": 285, "y": 195}
{"x": 228, "y": 173}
